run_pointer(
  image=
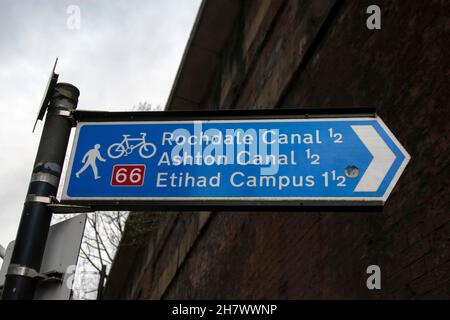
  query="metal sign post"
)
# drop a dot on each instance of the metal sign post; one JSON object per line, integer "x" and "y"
{"x": 36, "y": 215}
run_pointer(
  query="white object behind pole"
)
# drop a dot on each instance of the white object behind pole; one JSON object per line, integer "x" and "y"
{"x": 2, "y": 252}
{"x": 61, "y": 255}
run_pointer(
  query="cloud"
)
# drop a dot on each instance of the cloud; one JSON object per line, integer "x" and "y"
{"x": 125, "y": 52}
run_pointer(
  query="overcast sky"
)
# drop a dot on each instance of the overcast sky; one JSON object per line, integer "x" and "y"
{"x": 123, "y": 53}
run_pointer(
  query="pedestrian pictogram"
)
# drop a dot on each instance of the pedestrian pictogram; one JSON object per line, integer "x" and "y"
{"x": 90, "y": 159}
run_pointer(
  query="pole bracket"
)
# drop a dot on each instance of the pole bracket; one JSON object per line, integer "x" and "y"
{"x": 18, "y": 270}
{"x": 56, "y": 206}
{"x": 63, "y": 112}
{"x": 40, "y": 199}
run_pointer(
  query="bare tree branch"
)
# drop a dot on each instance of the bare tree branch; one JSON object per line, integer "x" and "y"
{"x": 87, "y": 257}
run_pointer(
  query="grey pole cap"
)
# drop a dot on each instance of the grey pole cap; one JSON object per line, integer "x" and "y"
{"x": 66, "y": 90}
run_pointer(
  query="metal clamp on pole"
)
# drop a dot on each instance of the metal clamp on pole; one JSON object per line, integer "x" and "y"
{"x": 17, "y": 270}
{"x": 63, "y": 113}
{"x": 45, "y": 177}
{"x": 39, "y": 199}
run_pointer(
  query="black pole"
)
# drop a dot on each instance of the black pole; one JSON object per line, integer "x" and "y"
{"x": 31, "y": 236}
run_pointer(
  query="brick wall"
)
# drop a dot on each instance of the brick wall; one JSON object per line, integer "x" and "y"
{"x": 320, "y": 54}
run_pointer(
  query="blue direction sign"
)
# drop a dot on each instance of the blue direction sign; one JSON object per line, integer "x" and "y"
{"x": 309, "y": 161}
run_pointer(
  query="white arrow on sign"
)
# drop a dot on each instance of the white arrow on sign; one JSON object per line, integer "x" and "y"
{"x": 383, "y": 158}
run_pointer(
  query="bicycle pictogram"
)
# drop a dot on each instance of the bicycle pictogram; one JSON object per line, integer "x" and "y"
{"x": 128, "y": 145}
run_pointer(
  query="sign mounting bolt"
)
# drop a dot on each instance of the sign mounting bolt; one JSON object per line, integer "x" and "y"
{"x": 352, "y": 171}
